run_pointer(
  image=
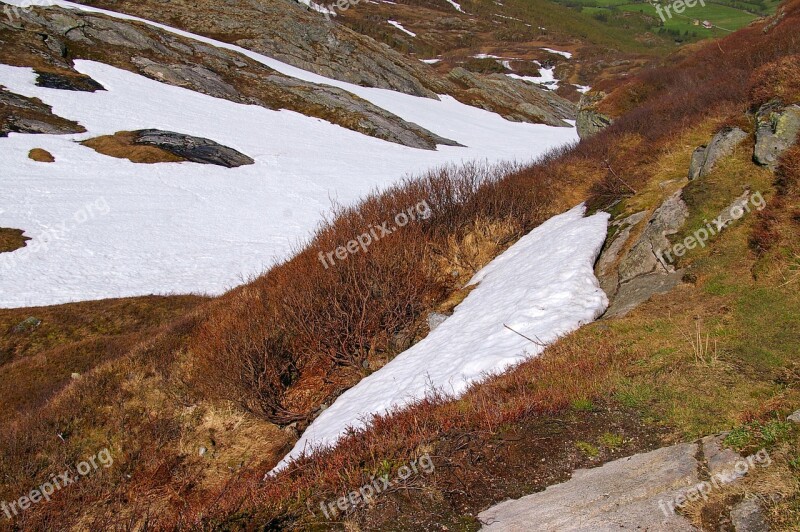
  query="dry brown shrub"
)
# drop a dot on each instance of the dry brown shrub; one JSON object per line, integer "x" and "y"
{"x": 41, "y": 156}
{"x": 776, "y": 80}
{"x": 121, "y": 145}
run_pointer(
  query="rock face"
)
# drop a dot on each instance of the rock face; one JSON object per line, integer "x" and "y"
{"x": 623, "y": 494}
{"x": 722, "y": 145}
{"x": 777, "y": 128}
{"x": 54, "y": 80}
{"x": 641, "y": 492}
{"x": 633, "y": 268}
{"x": 195, "y": 149}
{"x": 589, "y": 120}
{"x": 293, "y": 33}
{"x": 514, "y": 99}
{"x": 19, "y": 114}
{"x": 50, "y": 38}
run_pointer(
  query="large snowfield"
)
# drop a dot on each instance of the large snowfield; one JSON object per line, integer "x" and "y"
{"x": 104, "y": 227}
{"x": 542, "y": 287}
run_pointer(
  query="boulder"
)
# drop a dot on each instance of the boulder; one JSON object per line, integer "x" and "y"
{"x": 589, "y": 121}
{"x": 435, "y": 319}
{"x": 777, "y": 128}
{"x": 27, "y": 325}
{"x": 67, "y": 82}
{"x": 722, "y": 145}
{"x": 195, "y": 149}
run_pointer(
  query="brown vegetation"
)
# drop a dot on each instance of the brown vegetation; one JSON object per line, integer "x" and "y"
{"x": 122, "y": 146}
{"x": 12, "y": 239}
{"x": 41, "y": 156}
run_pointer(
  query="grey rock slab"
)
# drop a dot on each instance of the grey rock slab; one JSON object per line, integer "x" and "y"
{"x": 795, "y": 417}
{"x": 719, "y": 460}
{"x": 646, "y": 253}
{"x": 705, "y": 158}
{"x": 633, "y": 293}
{"x": 621, "y": 495}
{"x": 747, "y": 516}
{"x": 435, "y": 319}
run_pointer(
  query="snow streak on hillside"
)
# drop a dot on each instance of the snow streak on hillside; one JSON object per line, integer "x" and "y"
{"x": 543, "y": 287}
{"x": 186, "y": 227}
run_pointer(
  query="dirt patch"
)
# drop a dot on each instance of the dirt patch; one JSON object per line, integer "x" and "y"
{"x": 11, "y": 239}
{"x": 122, "y": 146}
{"x": 41, "y": 156}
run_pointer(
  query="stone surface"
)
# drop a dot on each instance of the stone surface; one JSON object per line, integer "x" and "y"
{"x": 20, "y": 114}
{"x": 631, "y": 277}
{"x": 195, "y": 149}
{"x": 27, "y": 325}
{"x": 633, "y": 293}
{"x": 435, "y": 319}
{"x": 747, "y": 516}
{"x": 621, "y": 495}
{"x": 515, "y": 99}
{"x": 777, "y": 128}
{"x": 704, "y": 159}
{"x": 795, "y": 417}
{"x": 55, "y": 80}
{"x": 589, "y": 121}
{"x": 719, "y": 460}
{"x": 293, "y": 33}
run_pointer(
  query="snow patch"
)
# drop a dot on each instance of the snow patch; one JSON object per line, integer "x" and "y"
{"x": 401, "y": 28}
{"x": 456, "y": 5}
{"x": 565, "y": 54}
{"x": 542, "y": 287}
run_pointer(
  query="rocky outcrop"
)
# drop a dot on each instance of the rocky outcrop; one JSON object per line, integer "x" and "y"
{"x": 48, "y": 39}
{"x": 722, "y": 145}
{"x": 589, "y": 121}
{"x": 294, "y": 34}
{"x": 640, "y": 492}
{"x": 633, "y": 268}
{"x": 514, "y": 99}
{"x": 777, "y": 128}
{"x": 58, "y": 80}
{"x": 19, "y": 114}
{"x": 194, "y": 149}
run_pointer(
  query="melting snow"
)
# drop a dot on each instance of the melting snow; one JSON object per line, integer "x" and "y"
{"x": 190, "y": 228}
{"x": 401, "y": 28}
{"x": 565, "y": 54}
{"x": 546, "y": 78}
{"x": 455, "y": 5}
{"x": 542, "y": 287}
